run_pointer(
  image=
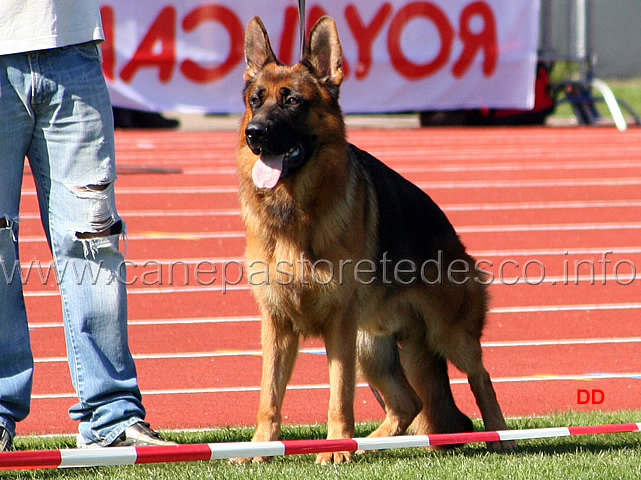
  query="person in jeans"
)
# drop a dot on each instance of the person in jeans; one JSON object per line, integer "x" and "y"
{"x": 56, "y": 111}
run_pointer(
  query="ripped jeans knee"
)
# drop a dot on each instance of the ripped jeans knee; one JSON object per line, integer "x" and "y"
{"x": 99, "y": 206}
{"x": 11, "y": 224}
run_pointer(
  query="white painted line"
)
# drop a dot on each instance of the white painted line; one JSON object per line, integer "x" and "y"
{"x": 154, "y": 291}
{"x": 566, "y": 308}
{"x": 165, "y": 321}
{"x": 471, "y": 207}
{"x": 149, "y": 236}
{"x": 447, "y": 185}
{"x": 558, "y": 227}
{"x": 321, "y": 350}
{"x": 459, "y": 381}
{"x": 533, "y": 279}
{"x": 523, "y": 167}
{"x": 590, "y": 204}
{"x": 570, "y": 341}
{"x": 521, "y": 184}
{"x": 552, "y": 227}
{"x": 566, "y": 252}
{"x": 230, "y": 212}
{"x": 184, "y": 190}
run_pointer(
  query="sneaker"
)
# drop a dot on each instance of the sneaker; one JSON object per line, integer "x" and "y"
{"x": 5, "y": 439}
{"x": 139, "y": 434}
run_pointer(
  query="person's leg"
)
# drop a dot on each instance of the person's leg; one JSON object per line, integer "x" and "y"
{"x": 16, "y": 361}
{"x": 72, "y": 156}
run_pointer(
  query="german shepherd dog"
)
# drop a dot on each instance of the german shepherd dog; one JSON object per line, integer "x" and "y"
{"x": 343, "y": 248}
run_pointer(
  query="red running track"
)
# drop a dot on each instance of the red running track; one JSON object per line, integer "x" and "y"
{"x": 553, "y": 214}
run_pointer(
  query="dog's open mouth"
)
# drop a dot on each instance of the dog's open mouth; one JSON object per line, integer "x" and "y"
{"x": 269, "y": 168}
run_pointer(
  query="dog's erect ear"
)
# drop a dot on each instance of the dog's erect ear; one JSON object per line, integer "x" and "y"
{"x": 258, "y": 50}
{"x": 324, "y": 52}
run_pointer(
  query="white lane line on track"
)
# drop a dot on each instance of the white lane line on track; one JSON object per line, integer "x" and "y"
{"x": 561, "y": 252}
{"x": 483, "y": 207}
{"x": 532, "y": 279}
{"x": 241, "y": 389}
{"x": 606, "y": 253}
{"x": 519, "y": 167}
{"x": 397, "y": 164}
{"x": 167, "y": 321}
{"x": 321, "y": 351}
{"x": 164, "y": 190}
{"x": 435, "y": 185}
{"x": 566, "y": 308}
{"x": 552, "y": 227}
{"x": 255, "y": 318}
{"x": 543, "y": 183}
{"x": 157, "y": 235}
{"x": 559, "y": 227}
{"x": 541, "y": 205}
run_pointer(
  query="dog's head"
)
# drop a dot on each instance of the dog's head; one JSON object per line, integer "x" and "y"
{"x": 290, "y": 110}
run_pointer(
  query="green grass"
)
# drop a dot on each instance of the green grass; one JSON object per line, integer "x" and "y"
{"x": 604, "y": 456}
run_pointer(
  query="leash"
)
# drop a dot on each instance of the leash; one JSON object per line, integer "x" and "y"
{"x": 301, "y": 21}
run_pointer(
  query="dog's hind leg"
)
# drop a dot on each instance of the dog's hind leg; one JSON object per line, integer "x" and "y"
{"x": 427, "y": 373}
{"x": 379, "y": 364}
{"x": 464, "y": 351}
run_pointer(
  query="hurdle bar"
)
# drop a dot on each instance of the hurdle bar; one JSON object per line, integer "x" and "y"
{"x": 99, "y": 457}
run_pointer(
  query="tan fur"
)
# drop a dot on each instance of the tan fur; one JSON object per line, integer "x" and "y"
{"x": 328, "y": 210}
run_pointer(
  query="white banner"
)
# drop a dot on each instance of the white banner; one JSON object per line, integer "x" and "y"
{"x": 399, "y": 55}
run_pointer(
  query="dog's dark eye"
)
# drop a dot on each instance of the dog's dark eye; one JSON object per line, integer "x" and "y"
{"x": 255, "y": 101}
{"x": 292, "y": 101}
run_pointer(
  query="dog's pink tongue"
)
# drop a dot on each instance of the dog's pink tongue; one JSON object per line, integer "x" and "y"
{"x": 267, "y": 170}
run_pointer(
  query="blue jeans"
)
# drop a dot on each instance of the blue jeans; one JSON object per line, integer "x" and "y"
{"x": 55, "y": 109}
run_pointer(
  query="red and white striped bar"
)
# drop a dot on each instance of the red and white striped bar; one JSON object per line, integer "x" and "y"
{"x": 98, "y": 457}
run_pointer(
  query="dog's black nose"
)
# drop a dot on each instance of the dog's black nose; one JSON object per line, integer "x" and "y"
{"x": 256, "y": 136}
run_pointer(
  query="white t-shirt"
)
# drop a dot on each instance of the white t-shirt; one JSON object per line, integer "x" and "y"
{"x": 27, "y": 25}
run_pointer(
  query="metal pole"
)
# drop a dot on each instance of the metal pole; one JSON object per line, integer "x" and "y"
{"x": 301, "y": 21}
{"x": 581, "y": 39}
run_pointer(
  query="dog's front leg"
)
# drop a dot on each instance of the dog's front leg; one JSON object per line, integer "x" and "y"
{"x": 280, "y": 347}
{"x": 340, "y": 343}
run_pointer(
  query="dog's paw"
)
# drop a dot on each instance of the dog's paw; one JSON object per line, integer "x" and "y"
{"x": 245, "y": 460}
{"x": 505, "y": 446}
{"x": 240, "y": 460}
{"x": 335, "y": 458}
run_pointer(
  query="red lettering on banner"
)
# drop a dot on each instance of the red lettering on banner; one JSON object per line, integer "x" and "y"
{"x": 365, "y": 35}
{"x": 287, "y": 38}
{"x": 107, "y": 47}
{"x": 400, "y": 62}
{"x": 163, "y": 30}
{"x": 477, "y": 32}
{"x": 473, "y": 42}
{"x": 315, "y": 13}
{"x": 231, "y": 22}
